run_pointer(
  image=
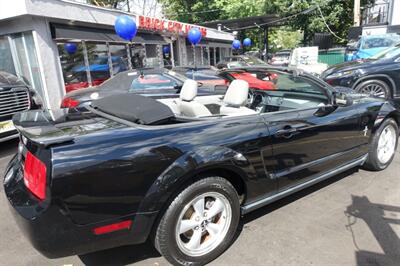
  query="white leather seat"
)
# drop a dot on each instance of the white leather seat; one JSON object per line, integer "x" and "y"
{"x": 188, "y": 107}
{"x": 235, "y": 99}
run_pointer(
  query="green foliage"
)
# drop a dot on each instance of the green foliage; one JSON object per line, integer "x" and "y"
{"x": 338, "y": 14}
{"x": 284, "y": 38}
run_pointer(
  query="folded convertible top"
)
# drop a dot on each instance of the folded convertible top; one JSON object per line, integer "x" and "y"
{"x": 134, "y": 108}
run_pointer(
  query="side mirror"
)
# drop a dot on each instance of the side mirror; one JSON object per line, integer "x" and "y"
{"x": 342, "y": 100}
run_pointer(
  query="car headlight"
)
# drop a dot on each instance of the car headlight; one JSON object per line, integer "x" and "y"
{"x": 341, "y": 74}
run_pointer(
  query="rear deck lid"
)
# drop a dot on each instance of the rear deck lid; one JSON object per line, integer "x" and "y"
{"x": 48, "y": 127}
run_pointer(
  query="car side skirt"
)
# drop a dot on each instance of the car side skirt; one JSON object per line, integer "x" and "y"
{"x": 267, "y": 200}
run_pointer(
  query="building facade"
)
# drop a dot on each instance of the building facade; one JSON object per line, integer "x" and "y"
{"x": 381, "y": 18}
{"x": 59, "y": 45}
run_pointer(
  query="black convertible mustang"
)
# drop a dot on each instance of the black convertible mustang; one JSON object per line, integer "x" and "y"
{"x": 182, "y": 171}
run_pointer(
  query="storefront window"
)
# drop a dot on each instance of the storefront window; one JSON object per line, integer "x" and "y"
{"x": 138, "y": 55}
{"x": 99, "y": 65}
{"x": 119, "y": 57}
{"x": 153, "y": 58}
{"x": 190, "y": 58}
{"x": 198, "y": 55}
{"x": 212, "y": 56}
{"x": 73, "y": 68}
{"x": 206, "y": 61}
{"x": 217, "y": 55}
{"x": 6, "y": 60}
{"x": 25, "y": 59}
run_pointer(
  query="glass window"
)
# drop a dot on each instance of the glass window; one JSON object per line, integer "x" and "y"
{"x": 119, "y": 57}
{"x": 152, "y": 56}
{"x": 217, "y": 55}
{"x": 98, "y": 63}
{"x": 212, "y": 57}
{"x": 73, "y": 68}
{"x": 25, "y": 58}
{"x": 6, "y": 59}
{"x": 205, "y": 59}
{"x": 288, "y": 82}
{"x": 189, "y": 53}
{"x": 388, "y": 53}
{"x": 198, "y": 56}
{"x": 138, "y": 55}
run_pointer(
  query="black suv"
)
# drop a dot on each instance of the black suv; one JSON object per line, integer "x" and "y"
{"x": 378, "y": 75}
{"x": 15, "y": 97}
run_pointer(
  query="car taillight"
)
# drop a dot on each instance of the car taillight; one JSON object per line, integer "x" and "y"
{"x": 69, "y": 103}
{"x": 35, "y": 176}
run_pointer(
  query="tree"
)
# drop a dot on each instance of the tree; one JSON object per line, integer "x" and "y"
{"x": 338, "y": 14}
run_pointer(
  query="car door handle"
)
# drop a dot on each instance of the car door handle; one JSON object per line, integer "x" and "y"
{"x": 286, "y": 132}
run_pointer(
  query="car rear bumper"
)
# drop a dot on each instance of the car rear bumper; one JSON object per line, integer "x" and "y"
{"x": 50, "y": 230}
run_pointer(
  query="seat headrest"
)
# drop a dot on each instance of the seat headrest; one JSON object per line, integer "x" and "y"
{"x": 189, "y": 90}
{"x": 237, "y": 93}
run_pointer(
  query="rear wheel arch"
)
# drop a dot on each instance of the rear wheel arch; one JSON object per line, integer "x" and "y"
{"x": 384, "y": 78}
{"x": 237, "y": 180}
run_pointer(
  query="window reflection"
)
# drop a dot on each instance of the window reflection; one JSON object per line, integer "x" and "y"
{"x": 98, "y": 63}
{"x": 119, "y": 57}
{"x": 6, "y": 62}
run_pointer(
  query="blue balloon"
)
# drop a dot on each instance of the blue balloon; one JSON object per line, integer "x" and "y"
{"x": 166, "y": 49}
{"x": 125, "y": 27}
{"x": 194, "y": 36}
{"x": 71, "y": 48}
{"x": 247, "y": 42}
{"x": 236, "y": 44}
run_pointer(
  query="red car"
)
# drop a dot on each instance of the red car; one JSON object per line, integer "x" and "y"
{"x": 258, "y": 79}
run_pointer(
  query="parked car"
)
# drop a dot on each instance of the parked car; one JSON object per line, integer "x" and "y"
{"x": 154, "y": 82}
{"x": 281, "y": 58}
{"x": 379, "y": 75}
{"x": 15, "y": 97}
{"x": 258, "y": 78}
{"x": 99, "y": 71}
{"x": 130, "y": 168}
{"x": 205, "y": 75}
{"x": 368, "y": 46}
{"x": 240, "y": 61}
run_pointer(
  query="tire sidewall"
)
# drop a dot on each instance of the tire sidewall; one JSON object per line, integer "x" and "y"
{"x": 211, "y": 184}
{"x": 386, "y": 87}
{"x": 374, "y": 147}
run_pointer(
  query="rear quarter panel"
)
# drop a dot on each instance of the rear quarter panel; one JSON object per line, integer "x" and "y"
{"x": 129, "y": 170}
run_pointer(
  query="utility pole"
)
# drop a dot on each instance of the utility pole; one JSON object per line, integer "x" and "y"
{"x": 357, "y": 14}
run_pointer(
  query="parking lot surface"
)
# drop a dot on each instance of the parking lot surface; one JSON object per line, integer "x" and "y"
{"x": 350, "y": 219}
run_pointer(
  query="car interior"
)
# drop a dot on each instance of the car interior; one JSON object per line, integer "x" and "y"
{"x": 290, "y": 93}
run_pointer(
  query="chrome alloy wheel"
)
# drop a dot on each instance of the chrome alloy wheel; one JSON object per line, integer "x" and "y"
{"x": 386, "y": 144}
{"x": 374, "y": 90}
{"x": 203, "y": 224}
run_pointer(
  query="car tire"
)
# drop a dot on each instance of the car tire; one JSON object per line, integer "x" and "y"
{"x": 201, "y": 238}
{"x": 380, "y": 87}
{"x": 383, "y": 146}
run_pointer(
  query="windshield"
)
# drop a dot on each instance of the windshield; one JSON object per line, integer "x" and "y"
{"x": 378, "y": 42}
{"x": 388, "y": 53}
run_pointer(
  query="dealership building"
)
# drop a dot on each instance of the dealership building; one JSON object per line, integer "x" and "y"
{"x": 35, "y": 34}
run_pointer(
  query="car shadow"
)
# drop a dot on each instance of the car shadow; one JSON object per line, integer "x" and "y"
{"x": 121, "y": 255}
{"x": 135, "y": 253}
{"x": 8, "y": 148}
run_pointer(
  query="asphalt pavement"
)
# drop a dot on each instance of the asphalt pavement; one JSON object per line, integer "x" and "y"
{"x": 350, "y": 219}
